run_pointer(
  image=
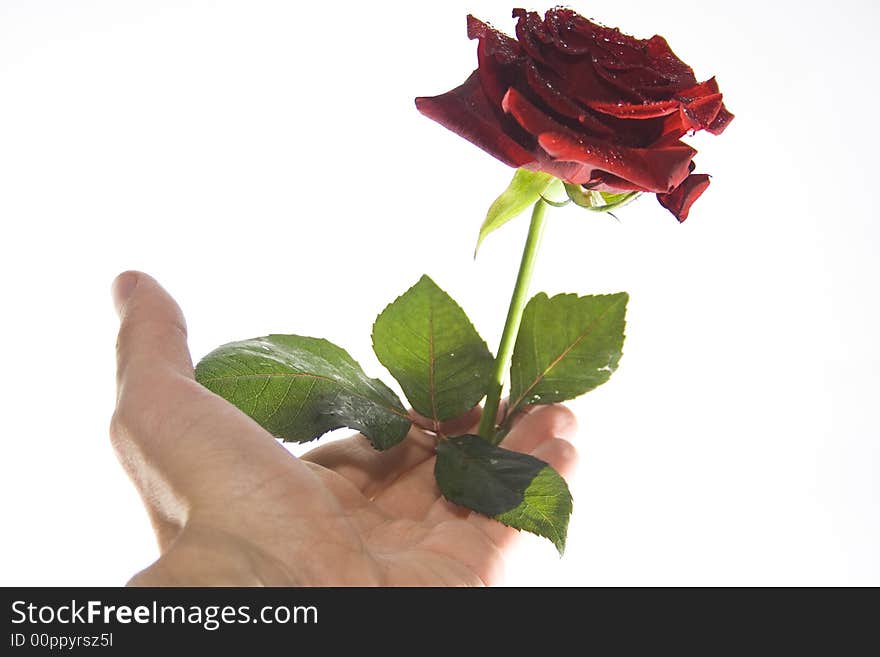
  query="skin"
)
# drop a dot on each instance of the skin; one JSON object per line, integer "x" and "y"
{"x": 231, "y": 506}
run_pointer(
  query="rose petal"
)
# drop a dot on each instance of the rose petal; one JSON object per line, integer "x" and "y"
{"x": 529, "y": 116}
{"x": 702, "y": 111}
{"x": 562, "y": 104}
{"x": 707, "y": 88}
{"x": 607, "y": 182}
{"x": 574, "y": 77}
{"x": 647, "y": 110}
{"x": 674, "y": 127}
{"x": 531, "y": 35}
{"x": 654, "y": 169}
{"x": 622, "y": 88}
{"x": 576, "y": 35}
{"x": 667, "y": 63}
{"x": 536, "y": 122}
{"x": 721, "y": 121}
{"x": 578, "y": 173}
{"x": 498, "y": 58}
{"x": 467, "y": 112}
{"x": 680, "y": 200}
{"x": 636, "y": 67}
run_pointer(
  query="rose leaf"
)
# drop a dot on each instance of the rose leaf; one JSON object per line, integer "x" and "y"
{"x": 516, "y": 489}
{"x": 429, "y": 345}
{"x": 298, "y": 388}
{"x": 567, "y": 345}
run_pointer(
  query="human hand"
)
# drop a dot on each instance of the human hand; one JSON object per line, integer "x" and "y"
{"x": 231, "y": 506}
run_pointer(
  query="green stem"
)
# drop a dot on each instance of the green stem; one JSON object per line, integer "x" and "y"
{"x": 511, "y": 326}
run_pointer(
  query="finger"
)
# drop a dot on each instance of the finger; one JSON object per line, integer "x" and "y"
{"x": 541, "y": 423}
{"x": 518, "y": 416}
{"x": 183, "y": 445}
{"x": 152, "y": 333}
{"x": 502, "y": 419}
{"x": 152, "y": 330}
{"x": 373, "y": 471}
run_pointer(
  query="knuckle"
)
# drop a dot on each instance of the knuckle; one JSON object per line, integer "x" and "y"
{"x": 132, "y": 414}
{"x": 153, "y": 332}
{"x": 115, "y": 430}
{"x": 156, "y": 403}
{"x": 120, "y": 435}
{"x": 122, "y": 423}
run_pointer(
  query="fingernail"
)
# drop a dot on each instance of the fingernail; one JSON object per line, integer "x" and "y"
{"x": 122, "y": 288}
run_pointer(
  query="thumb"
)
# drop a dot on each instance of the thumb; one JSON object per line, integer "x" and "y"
{"x": 183, "y": 446}
{"x": 152, "y": 331}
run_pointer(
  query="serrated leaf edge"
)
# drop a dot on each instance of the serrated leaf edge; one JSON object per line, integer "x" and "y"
{"x": 558, "y": 539}
{"x": 431, "y": 363}
{"x": 515, "y": 406}
{"x": 309, "y": 375}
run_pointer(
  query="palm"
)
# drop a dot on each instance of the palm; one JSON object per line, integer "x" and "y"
{"x": 231, "y": 506}
{"x": 395, "y": 531}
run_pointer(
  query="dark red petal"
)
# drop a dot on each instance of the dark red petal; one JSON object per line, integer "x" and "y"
{"x": 654, "y": 169}
{"x": 535, "y": 122}
{"x": 498, "y": 56}
{"x": 721, "y": 121}
{"x": 590, "y": 81}
{"x": 529, "y": 116}
{"x": 703, "y": 108}
{"x": 675, "y": 126}
{"x": 467, "y": 112}
{"x": 572, "y": 172}
{"x": 606, "y": 182}
{"x": 640, "y": 69}
{"x": 647, "y": 110}
{"x": 680, "y": 200}
{"x": 707, "y": 88}
{"x": 665, "y": 62}
{"x": 635, "y": 133}
{"x": 623, "y": 87}
{"x": 562, "y": 104}
{"x": 576, "y": 35}
{"x": 569, "y": 35}
{"x": 702, "y": 111}
{"x": 572, "y": 76}
{"x": 531, "y": 35}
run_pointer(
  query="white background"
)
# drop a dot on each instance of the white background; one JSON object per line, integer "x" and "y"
{"x": 266, "y": 163}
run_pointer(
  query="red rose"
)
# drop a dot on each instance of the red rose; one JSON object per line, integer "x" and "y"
{"x": 585, "y": 103}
